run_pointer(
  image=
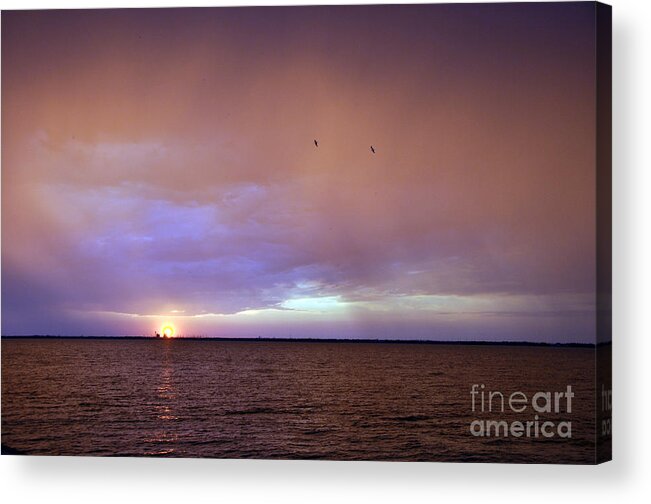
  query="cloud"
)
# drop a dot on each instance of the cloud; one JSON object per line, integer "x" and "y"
{"x": 133, "y": 242}
{"x": 177, "y": 174}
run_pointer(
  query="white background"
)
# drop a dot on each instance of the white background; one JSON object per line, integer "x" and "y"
{"x": 627, "y": 478}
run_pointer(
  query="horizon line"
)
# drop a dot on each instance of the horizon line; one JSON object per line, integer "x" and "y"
{"x": 322, "y": 340}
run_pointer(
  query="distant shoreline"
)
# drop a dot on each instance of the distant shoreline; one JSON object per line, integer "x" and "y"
{"x": 325, "y": 340}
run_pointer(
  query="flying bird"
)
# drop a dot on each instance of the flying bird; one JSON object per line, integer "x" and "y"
{"x": 372, "y": 149}
{"x": 316, "y": 143}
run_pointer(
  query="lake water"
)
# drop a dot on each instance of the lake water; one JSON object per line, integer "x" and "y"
{"x": 317, "y": 400}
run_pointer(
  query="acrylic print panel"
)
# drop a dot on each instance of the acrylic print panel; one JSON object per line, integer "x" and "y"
{"x": 344, "y": 232}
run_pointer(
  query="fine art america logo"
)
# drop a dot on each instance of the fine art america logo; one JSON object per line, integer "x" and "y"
{"x": 535, "y": 410}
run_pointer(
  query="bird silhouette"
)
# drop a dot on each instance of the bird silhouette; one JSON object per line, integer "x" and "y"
{"x": 372, "y": 149}
{"x": 316, "y": 143}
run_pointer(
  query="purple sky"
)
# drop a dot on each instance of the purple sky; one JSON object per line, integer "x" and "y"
{"x": 159, "y": 166}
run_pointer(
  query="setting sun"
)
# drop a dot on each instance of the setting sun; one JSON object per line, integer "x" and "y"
{"x": 167, "y": 331}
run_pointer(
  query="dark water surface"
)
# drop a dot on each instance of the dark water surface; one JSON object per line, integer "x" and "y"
{"x": 324, "y": 400}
